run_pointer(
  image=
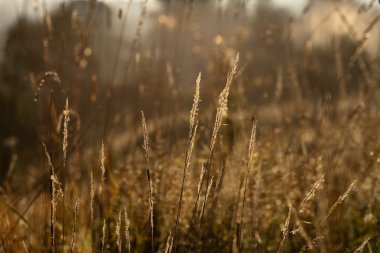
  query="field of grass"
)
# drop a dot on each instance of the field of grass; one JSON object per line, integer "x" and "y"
{"x": 225, "y": 137}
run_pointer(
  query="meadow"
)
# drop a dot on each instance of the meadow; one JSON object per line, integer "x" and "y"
{"x": 191, "y": 126}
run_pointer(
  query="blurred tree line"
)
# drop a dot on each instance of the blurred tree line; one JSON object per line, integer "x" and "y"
{"x": 46, "y": 62}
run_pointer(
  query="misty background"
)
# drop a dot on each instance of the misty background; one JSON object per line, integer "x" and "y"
{"x": 113, "y": 59}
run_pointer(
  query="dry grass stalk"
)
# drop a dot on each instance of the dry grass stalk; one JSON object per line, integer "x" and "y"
{"x": 103, "y": 235}
{"x": 201, "y": 176}
{"x": 222, "y": 108}
{"x": 206, "y": 197}
{"x": 127, "y": 234}
{"x": 252, "y": 145}
{"x": 311, "y": 245}
{"x": 221, "y": 112}
{"x": 195, "y": 107}
{"x": 251, "y": 150}
{"x": 66, "y": 113}
{"x": 340, "y": 199}
{"x": 56, "y": 194}
{"x": 25, "y": 248}
{"x": 92, "y": 196}
{"x": 310, "y": 195}
{"x": 50, "y": 163}
{"x": 74, "y": 236}
{"x": 285, "y": 229}
{"x": 190, "y": 146}
{"x": 169, "y": 244}
{"x": 148, "y": 172}
{"x": 118, "y": 232}
{"x": 298, "y": 228}
{"x": 361, "y": 247}
{"x": 199, "y": 187}
{"x": 102, "y": 164}
{"x": 72, "y": 114}
{"x": 256, "y": 194}
{"x": 218, "y": 182}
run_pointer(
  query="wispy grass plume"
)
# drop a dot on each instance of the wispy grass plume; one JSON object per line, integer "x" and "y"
{"x": 127, "y": 233}
{"x": 340, "y": 199}
{"x": 102, "y": 163}
{"x": 118, "y": 233}
{"x": 310, "y": 195}
{"x": 285, "y": 229}
{"x": 222, "y": 109}
{"x": 251, "y": 150}
{"x": 190, "y": 145}
{"x": 66, "y": 113}
{"x": 74, "y": 232}
{"x": 149, "y": 177}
